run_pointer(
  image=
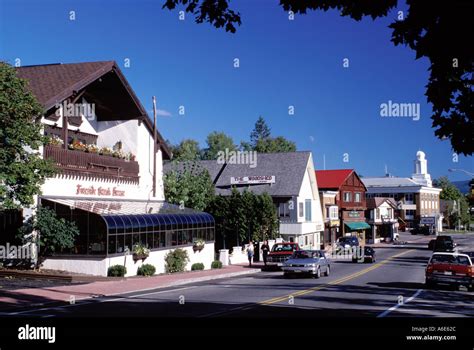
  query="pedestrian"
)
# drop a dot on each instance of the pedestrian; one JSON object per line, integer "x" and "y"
{"x": 250, "y": 251}
{"x": 265, "y": 250}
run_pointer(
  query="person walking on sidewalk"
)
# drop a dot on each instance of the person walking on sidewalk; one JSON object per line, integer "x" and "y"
{"x": 250, "y": 251}
{"x": 265, "y": 250}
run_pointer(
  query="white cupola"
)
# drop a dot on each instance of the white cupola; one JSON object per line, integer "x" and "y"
{"x": 421, "y": 175}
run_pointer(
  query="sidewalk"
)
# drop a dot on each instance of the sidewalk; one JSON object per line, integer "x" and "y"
{"x": 34, "y": 297}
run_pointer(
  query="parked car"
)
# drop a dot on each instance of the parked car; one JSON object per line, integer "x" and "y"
{"x": 442, "y": 244}
{"x": 364, "y": 254}
{"x": 425, "y": 230}
{"x": 281, "y": 252}
{"x": 450, "y": 268}
{"x": 347, "y": 242}
{"x": 307, "y": 262}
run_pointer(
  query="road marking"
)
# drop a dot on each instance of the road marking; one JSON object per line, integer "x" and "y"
{"x": 393, "y": 308}
{"x": 336, "y": 282}
{"x": 89, "y": 301}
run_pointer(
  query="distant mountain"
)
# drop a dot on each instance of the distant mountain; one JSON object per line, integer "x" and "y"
{"x": 462, "y": 186}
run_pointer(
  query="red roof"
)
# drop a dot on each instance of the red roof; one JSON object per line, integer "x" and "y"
{"x": 332, "y": 178}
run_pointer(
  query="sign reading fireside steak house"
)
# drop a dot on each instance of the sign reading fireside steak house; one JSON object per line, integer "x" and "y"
{"x": 244, "y": 180}
{"x": 101, "y": 191}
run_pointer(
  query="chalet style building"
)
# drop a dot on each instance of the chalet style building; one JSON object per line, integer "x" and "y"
{"x": 350, "y": 200}
{"x": 109, "y": 159}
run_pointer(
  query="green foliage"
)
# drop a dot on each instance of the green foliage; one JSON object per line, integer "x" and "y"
{"x": 55, "y": 233}
{"x": 260, "y": 132}
{"x": 176, "y": 260}
{"x": 450, "y": 191}
{"x": 186, "y": 150}
{"x": 275, "y": 145}
{"x": 146, "y": 270}
{"x": 218, "y": 142}
{"x": 22, "y": 170}
{"x": 434, "y": 30}
{"x": 243, "y": 216}
{"x": 216, "y": 264}
{"x": 189, "y": 184}
{"x": 262, "y": 142}
{"x": 197, "y": 267}
{"x": 116, "y": 271}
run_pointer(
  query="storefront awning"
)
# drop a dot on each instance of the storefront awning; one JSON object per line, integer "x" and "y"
{"x": 140, "y": 216}
{"x": 357, "y": 225}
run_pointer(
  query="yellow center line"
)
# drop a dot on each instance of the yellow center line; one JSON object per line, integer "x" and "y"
{"x": 338, "y": 281}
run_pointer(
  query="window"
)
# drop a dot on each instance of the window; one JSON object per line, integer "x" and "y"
{"x": 300, "y": 209}
{"x": 357, "y": 197}
{"x": 409, "y": 197}
{"x": 283, "y": 210}
{"x": 377, "y": 214}
{"x": 307, "y": 212}
{"x": 347, "y": 196}
{"x": 390, "y": 213}
{"x": 333, "y": 212}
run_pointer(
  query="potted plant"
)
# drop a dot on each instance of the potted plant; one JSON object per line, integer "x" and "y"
{"x": 198, "y": 244}
{"x": 140, "y": 252}
{"x": 56, "y": 141}
{"x": 92, "y": 148}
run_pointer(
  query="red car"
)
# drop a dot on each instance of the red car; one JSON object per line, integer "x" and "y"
{"x": 281, "y": 252}
{"x": 450, "y": 268}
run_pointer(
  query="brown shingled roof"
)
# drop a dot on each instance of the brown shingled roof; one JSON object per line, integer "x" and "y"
{"x": 53, "y": 83}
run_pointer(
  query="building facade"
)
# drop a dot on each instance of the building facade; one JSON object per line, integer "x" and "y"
{"x": 108, "y": 157}
{"x": 417, "y": 200}
{"x": 350, "y": 200}
{"x": 382, "y": 216}
{"x": 290, "y": 180}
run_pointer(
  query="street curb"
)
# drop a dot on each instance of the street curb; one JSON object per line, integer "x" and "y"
{"x": 163, "y": 286}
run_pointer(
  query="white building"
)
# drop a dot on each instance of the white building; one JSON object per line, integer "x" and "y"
{"x": 417, "y": 200}
{"x": 109, "y": 182}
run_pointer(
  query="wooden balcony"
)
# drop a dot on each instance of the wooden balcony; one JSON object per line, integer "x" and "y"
{"x": 78, "y": 163}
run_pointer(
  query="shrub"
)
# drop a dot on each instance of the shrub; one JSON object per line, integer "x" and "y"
{"x": 146, "y": 270}
{"x": 176, "y": 260}
{"x": 117, "y": 271}
{"x": 216, "y": 264}
{"x": 197, "y": 266}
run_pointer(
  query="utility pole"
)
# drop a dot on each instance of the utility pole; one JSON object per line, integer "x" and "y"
{"x": 154, "y": 146}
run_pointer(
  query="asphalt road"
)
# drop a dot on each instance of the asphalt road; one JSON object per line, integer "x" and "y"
{"x": 393, "y": 286}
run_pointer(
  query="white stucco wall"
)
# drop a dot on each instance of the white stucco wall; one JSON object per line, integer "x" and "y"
{"x": 99, "y": 267}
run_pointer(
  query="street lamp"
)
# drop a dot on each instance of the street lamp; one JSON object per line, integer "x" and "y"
{"x": 463, "y": 171}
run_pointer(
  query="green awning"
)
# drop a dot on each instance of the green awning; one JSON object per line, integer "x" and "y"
{"x": 357, "y": 225}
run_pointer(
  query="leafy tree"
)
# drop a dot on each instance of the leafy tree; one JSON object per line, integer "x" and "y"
{"x": 186, "y": 150}
{"x": 189, "y": 184}
{"x": 274, "y": 145}
{"x": 53, "y": 234}
{"x": 216, "y": 142}
{"x": 262, "y": 142}
{"x": 244, "y": 216}
{"x": 22, "y": 169}
{"x": 260, "y": 132}
{"x": 449, "y": 191}
{"x": 437, "y": 30}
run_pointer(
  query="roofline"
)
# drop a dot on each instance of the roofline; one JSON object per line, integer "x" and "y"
{"x": 110, "y": 66}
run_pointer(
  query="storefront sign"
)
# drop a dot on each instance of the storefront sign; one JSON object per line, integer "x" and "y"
{"x": 244, "y": 180}
{"x": 100, "y": 191}
{"x": 427, "y": 221}
{"x": 353, "y": 214}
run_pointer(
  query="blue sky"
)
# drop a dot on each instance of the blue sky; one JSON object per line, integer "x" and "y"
{"x": 282, "y": 63}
